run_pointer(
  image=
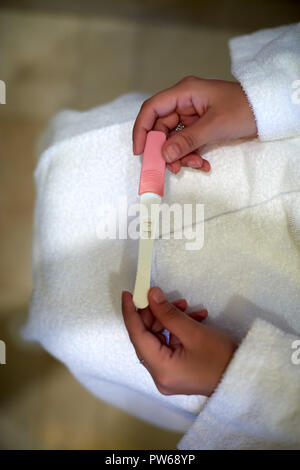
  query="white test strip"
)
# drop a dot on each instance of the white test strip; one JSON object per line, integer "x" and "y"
{"x": 149, "y": 224}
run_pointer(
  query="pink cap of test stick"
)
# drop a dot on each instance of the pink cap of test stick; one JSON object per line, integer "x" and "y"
{"x": 152, "y": 177}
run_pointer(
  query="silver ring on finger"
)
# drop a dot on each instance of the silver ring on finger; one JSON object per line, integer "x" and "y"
{"x": 179, "y": 127}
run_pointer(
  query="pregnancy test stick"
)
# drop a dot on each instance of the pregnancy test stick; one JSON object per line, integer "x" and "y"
{"x": 151, "y": 190}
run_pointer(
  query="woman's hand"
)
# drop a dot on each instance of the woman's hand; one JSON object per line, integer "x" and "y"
{"x": 210, "y": 110}
{"x": 195, "y": 358}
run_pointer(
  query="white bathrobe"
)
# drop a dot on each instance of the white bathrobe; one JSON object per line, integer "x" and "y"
{"x": 247, "y": 274}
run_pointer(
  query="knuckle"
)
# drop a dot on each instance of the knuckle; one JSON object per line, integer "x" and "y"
{"x": 189, "y": 78}
{"x": 145, "y": 104}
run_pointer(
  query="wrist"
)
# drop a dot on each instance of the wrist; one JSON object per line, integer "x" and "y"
{"x": 224, "y": 359}
{"x": 250, "y": 119}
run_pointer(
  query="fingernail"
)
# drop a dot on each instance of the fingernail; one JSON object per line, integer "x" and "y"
{"x": 195, "y": 164}
{"x": 206, "y": 166}
{"x": 134, "y": 149}
{"x": 171, "y": 153}
{"x": 157, "y": 295}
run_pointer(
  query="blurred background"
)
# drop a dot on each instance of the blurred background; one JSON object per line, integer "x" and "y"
{"x": 71, "y": 54}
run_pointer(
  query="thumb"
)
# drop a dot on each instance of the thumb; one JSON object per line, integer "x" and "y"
{"x": 173, "y": 319}
{"x": 189, "y": 139}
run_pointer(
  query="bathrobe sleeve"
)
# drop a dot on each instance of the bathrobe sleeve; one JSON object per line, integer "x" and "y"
{"x": 267, "y": 64}
{"x": 257, "y": 403}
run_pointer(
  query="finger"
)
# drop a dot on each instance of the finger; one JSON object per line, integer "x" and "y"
{"x": 177, "y": 98}
{"x": 147, "y": 317}
{"x": 165, "y": 124}
{"x": 190, "y": 138}
{"x": 194, "y": 160}
{"x": 147, "y": 345}
{"x": 156, "y": 324}
{"x": 161, "y": 104}
{"x": 181, "y": 304}
{"x": 206, "y": 166}
{"x": 173, "y": 319}
{"x": 198, "y": 316}
{"x": 188, "y": 120}
{"x": 169, "y": 123}
{"x": 170, "y": 168}
{"x": 174, "y": 167}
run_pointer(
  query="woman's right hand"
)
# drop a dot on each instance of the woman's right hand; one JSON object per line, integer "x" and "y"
{"x": 210, "y": 110}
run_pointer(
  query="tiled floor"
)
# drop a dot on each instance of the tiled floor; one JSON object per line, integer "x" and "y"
{"x": 50, "y": 61}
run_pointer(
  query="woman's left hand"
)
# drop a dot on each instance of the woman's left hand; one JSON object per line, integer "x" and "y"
{"x": 196, "y": 357}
